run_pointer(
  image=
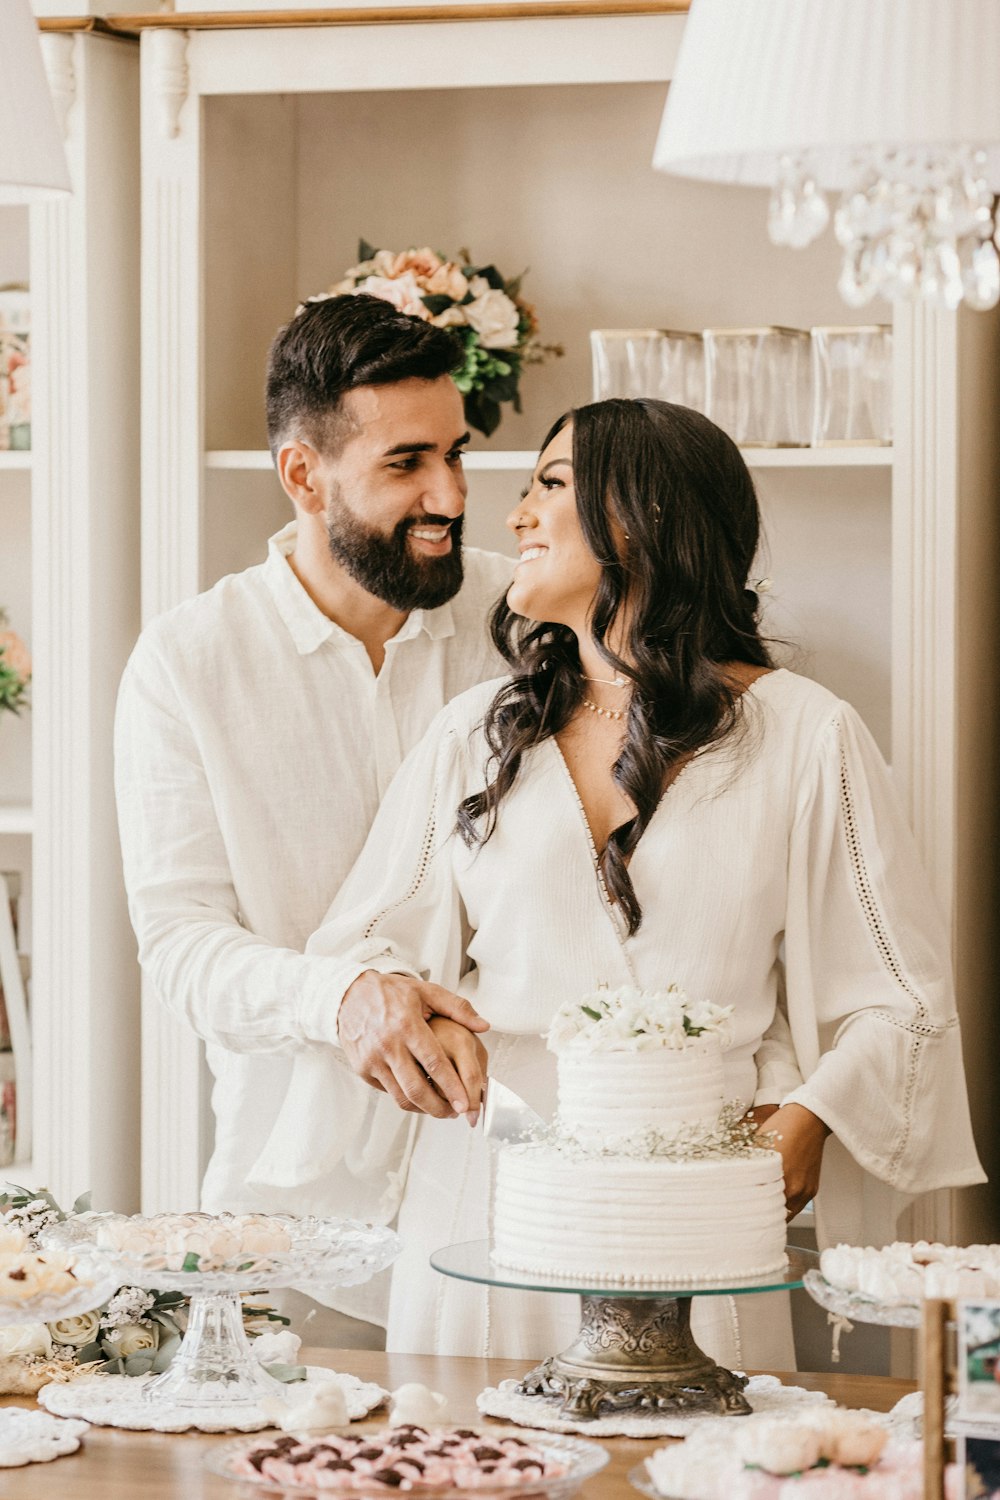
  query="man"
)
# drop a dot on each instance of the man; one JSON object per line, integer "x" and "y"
{"x": 260, "y": 723}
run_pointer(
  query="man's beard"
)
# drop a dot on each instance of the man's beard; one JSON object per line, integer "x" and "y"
{"x": 385, "y": 565}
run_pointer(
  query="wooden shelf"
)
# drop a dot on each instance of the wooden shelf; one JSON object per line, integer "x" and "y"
{"x": 16, "y": 817}
{"x": 14, "y": 458}
{"x": 499, "y": 459}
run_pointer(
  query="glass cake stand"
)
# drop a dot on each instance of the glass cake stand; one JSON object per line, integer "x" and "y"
{"x": 215, "y": 1365}
{"x": 634, "y": 1350}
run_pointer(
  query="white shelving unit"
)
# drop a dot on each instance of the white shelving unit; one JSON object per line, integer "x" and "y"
{"x": 547, "y": 129}
{"x": 69, "y": 551}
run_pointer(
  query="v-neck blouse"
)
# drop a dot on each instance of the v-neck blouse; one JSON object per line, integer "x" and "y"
{"x": 777, "y": 876}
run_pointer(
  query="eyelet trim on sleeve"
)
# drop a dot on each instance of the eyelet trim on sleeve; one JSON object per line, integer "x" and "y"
{"x": 419, "y": 874}
{"x": 920, "y": 1028}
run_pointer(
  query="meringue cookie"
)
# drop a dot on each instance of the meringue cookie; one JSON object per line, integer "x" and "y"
{"x": 418, "y": 1404}
{"x": 779, "y": 1446}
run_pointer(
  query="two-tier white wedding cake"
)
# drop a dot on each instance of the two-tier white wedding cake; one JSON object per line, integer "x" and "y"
{"x": 646, "y": 1176}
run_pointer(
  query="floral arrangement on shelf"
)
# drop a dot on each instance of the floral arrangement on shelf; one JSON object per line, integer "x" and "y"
{"x": 633, "y": 1020}
{"x": 15, "y": 668}
{"x": 135, "y": 1332}
{"x": 495, "y": 326}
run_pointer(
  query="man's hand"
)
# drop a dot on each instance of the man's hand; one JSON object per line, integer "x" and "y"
{"x": 384, "y": 1032}
{"x": 799, "y": 1137}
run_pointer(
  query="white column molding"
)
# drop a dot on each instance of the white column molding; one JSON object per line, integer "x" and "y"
{"x": 57, "y": 55}
{"x": 168, "y": 75}
{"x": 173, "y": 1144}
{"x": 924, "y": 584}
{"x": 84, "y": 265}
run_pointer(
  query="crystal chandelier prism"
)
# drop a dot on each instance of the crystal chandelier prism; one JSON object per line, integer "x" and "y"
{"x": 881, "y": 115}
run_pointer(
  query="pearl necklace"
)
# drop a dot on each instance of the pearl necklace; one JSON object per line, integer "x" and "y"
{"x": 604, "y": 713}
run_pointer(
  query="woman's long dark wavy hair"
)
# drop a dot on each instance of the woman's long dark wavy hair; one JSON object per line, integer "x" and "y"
{"x": 674, "y": 595}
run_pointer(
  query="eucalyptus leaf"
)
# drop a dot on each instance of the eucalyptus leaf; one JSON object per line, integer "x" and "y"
{"x": 286, "y": 1373}
{"x": 89, "y": 1353}
{"x": 82, "y": 1204}
{"x": 165, "y": 1353}
{"x": 141, "y": 1363}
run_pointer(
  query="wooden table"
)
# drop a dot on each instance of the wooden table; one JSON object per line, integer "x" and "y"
{"x": 114, "y": 1465}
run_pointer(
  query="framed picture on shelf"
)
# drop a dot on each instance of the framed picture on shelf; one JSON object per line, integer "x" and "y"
{"x": 978, "y": 1325}
{"x": 15, "y": 368}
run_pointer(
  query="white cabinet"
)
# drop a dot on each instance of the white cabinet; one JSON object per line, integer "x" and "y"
{"x": 70, "y": 520}
{"x": 268, "y": 152}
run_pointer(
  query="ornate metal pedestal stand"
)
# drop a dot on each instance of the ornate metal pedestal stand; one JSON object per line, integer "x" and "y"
{"x": 634, "y": 1351}
{"x": 634, "y": 1354}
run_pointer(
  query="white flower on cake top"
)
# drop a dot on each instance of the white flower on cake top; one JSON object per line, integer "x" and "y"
{"x": 632, "y": 1020}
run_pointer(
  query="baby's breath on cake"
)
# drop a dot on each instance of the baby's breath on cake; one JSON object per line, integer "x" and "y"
{"x": 732, "y": 1135}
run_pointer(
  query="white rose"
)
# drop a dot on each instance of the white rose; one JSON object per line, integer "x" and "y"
{"x": 452, "y": 317}
{"x": 403, "y": 292}
{"x": 494, "y": 317}
{"x": 277, "y": 1348}
{"x": 77, "y": 1331}
{"x": 12, "y": 1239}
{"x": 131, "y": 1338}
{"x": 24, "y": 1339}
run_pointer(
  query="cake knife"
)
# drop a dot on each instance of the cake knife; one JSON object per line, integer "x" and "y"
{"x": 506, "y": 1117}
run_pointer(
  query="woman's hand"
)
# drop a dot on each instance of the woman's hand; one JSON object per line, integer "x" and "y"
{"x": 468, "y": 1057}
{"x": 799, "y": 1137}
{"x": 385, "y": 1028}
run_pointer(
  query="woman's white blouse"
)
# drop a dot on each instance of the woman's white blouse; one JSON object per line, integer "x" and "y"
{"x": 777, "y": 876}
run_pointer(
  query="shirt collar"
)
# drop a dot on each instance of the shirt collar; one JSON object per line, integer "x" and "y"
{"x": 309, "y": 627}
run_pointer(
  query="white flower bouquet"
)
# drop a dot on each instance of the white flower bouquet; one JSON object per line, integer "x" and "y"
{"x": 632, "y": 1020}
{"x": 495, "y": 326}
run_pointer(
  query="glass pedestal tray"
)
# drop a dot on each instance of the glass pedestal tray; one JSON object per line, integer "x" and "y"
{"x": 214, "y": 1377}
{"x": 634, "y": 1351}
{"x": 856, "y": 1308}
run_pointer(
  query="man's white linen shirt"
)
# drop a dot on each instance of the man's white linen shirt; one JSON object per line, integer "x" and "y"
{"x": 254, "y": 742}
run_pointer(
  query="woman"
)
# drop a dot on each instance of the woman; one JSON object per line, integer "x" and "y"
{"x": 645, "y": 800}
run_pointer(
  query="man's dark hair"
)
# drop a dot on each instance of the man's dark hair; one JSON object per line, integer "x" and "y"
{"x": 336, "y": 345}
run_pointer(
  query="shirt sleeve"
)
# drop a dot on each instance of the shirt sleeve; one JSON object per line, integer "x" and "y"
{"x": 232, "y": 987}
{"x": 867, "y": 961}
{"x": 400, "y": 910}
{"x": 777, "y": 1065}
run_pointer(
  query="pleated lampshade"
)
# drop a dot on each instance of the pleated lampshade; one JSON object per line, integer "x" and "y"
{"x": 758, "y": 80}
{"x": 32, "y": 159}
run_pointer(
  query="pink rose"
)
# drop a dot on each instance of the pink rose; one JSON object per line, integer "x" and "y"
{"x": 421, "y": 262}
{"x": 448, "y": 281}
{"x": 14, "y": 654}
{"x": 494, "y": 317}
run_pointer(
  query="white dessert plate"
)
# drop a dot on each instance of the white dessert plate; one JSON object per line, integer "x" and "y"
{"x": 858, "y": 1308}
{"x": 583, "y": 1459}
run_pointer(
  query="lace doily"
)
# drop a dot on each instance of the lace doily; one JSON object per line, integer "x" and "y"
{"x": 117, "y": 1401}
{"x": 34, "y": 1437}
{"x": 765, "y": 1393}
